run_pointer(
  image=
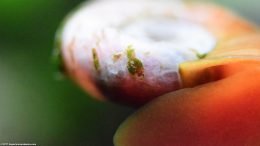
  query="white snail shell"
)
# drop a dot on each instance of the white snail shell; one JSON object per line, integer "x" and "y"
{"x": 130, "y": 51}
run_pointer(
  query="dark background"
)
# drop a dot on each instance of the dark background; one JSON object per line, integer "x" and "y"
{"x": 35, "y": 107}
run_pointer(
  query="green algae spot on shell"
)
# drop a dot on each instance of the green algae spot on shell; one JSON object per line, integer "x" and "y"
{"x": 201, "y": 56}
{"x": 95, "y": 59}
{"x": 134, "y": 65}
{"x": 57, "y": 58}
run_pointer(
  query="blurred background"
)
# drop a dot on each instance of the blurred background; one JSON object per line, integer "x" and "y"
{"x": 37, "y": 108}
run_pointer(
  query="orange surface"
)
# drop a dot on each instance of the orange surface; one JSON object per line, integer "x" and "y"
{"x": 209, "y": 70}
{"x": 225, "y": 112}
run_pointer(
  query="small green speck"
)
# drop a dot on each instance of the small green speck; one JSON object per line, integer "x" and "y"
{"x": 57, "y": 58}
{"x": 130, "y": 52}
{"x": 95, "y": 59}
{"x": 201, "y": 56}
{"x": 134, "y": 65}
